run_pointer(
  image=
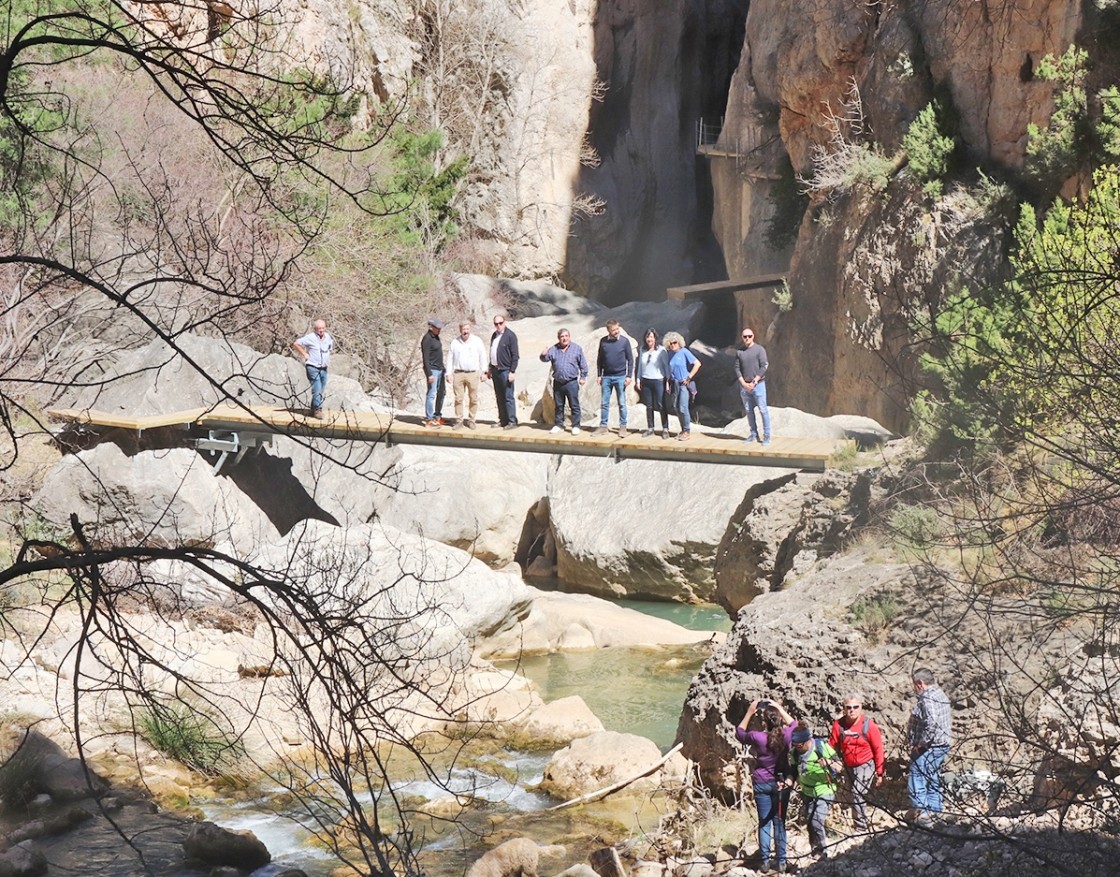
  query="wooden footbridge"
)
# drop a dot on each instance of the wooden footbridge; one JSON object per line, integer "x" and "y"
{"x": 231, "y": 430}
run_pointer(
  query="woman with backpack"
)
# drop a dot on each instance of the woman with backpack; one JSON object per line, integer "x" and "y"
{"x": 816, "y": 767}
{"x": 770, "y": 747}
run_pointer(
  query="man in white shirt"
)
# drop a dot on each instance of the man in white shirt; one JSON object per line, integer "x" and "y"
{"x": 315, "y": 347}
{"x": 467, "y": 362}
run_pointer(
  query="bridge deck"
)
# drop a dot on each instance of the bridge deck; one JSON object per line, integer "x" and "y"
{"x": 723, "y": 287}
{"x": 783, "y": 451}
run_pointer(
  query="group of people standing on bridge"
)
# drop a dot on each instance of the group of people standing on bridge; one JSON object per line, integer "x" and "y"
{"x": 663, "y": 374}
{"x": 850, "y": 760}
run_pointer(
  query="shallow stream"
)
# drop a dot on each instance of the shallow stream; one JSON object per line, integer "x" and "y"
{"x": 638, "y": 691}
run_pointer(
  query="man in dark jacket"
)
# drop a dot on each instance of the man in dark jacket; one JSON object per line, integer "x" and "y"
{"x": 504, "y": 357}
{"x": 431, "y": 354}
{"x": 615, "y": 367}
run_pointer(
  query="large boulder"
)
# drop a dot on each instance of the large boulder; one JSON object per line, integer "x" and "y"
{"x": 32, "y": 764}
{"x": 785, "y": 525}
{"x": 598, "y": 760}
{"x": 560, "y": 721}
{"x": 645, "y": 529}
{"x": 453, "y": 596}
{"x": 214, "y": 845}
{"x": 477, "y": 501}
{"x": 162, "y": 498}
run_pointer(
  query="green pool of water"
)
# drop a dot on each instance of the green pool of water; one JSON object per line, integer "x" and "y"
{"x": 638, "y": 691}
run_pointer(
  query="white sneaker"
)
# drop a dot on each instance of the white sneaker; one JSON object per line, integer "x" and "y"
{"x": 555, "y": 430}
{"x": 575, "y": 430}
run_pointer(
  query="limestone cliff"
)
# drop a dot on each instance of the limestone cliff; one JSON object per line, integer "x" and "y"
{"x": 863, "y": 260}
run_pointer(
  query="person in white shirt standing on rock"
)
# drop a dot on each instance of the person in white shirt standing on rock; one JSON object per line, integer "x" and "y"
{"x": 467, "y": 362}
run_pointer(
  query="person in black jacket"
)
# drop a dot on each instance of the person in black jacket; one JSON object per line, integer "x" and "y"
{"x": 431, "y": 353}
{"x": 504, "y": 358}
{"x": 615, "y": 367}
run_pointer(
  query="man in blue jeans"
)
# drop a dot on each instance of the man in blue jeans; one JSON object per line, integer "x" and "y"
{"x": 431, "y": 355}
{"x": 751, "y": 364}
{"x": 569, "y": 373}
{"x": 615, "y": 367}
{"x": 929, "y": 734}
{"x": 315, "y": 347}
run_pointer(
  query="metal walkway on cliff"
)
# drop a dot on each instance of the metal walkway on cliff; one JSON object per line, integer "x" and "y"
{"x": 231, "y": 430}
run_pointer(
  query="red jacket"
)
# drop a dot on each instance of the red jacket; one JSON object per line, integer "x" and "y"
{"x": 855, "y": 745}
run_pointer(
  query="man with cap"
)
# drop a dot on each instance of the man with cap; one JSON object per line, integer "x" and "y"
{"x": 815, "y": 765}
{"x": 431, "y": 354}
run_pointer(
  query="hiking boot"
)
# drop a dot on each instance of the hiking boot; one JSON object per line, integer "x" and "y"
{"x": 470, "y": 424}
{"x": 781, "y": 867}
{"x": 684, "y": 436}
{"x": 458, "y": 424}
{"x": 317, "y": 413}
{"x": 764, "y": 868}
{"x": 602, "y": 430}
{"x": 646, "y": 433}
{"x": 622, "y": 430}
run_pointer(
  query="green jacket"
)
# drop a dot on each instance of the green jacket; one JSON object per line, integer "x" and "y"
{"x": 815, "y": 778}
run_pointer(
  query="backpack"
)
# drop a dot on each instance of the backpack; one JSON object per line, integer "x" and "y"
{"x": 818, "y": 747}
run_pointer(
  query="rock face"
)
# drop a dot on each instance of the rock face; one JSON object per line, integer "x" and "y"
{"x": 863, "y": 263}
{"x": 644, "y": 529}
{"x": 452, "y": 496}
{"x": 664, "y": 67}
{"x": 801, "y": 647}
{"x": 784, "y": 525}
{"x": 157, "y": 498}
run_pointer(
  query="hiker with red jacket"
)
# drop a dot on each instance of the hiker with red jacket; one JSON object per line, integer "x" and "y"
{"x": 860, "y": 743}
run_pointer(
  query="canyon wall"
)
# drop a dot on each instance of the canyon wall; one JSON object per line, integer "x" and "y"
{"x": 864, "y": 260}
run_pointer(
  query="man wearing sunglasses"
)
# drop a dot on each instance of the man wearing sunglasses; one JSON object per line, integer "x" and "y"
{"x": 860, "y": 743}
{"x": 504, "y": 357}
{"x": 750, "y": 362}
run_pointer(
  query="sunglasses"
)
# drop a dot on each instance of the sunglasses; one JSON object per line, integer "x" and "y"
{"x": 748, "y": 336}
{"x": 848, "y": 707}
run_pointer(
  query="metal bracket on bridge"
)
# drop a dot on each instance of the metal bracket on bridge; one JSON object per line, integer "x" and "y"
{"x": 226, "y": 442}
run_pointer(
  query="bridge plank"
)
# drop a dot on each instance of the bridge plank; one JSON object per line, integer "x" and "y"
{"x": 784, "y": 451}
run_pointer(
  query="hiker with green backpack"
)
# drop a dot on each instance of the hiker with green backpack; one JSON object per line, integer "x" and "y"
{"x": 817, "y": 768}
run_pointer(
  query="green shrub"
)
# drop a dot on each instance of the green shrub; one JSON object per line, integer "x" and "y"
{"x": 783, "y": 297}
{"x": 873, "y": 614}
{"x": 928, "y": 149}
{"x": 1052, "y": 152}
{"x": 914, "y": 525}
{"x": 188, "y": 735}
